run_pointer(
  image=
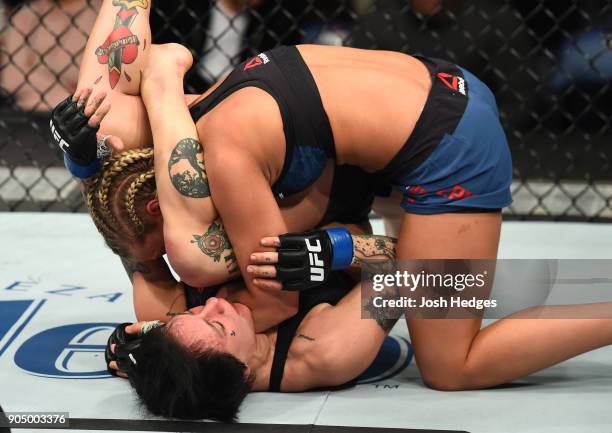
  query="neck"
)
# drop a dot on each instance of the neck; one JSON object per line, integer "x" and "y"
{"x": 261, "y": 360}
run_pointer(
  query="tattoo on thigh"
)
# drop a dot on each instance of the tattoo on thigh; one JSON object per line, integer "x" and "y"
{"x": 132, "y": 266}
{"x": 186, "y": 169}
{"x": 121, "y": 45}
{"x": 213, "y": 242}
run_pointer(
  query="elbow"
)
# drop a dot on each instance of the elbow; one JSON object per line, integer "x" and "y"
{"x": 197, "y": 276}
{"x": 196, "y": 273}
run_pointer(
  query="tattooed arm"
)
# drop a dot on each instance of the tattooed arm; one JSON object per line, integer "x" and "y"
{"x": 374, "y": 253}
{"x": 157, "y": 295}
{"x": 195, "y": 240}
{"x": 333, "y": 345}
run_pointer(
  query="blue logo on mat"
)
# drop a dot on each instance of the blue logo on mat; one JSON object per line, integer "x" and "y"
{"x": 66, "y": 352}
{"x": 393, "y": 357}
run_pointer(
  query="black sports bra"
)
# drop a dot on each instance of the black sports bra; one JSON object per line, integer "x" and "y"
{"x": 282, "y": 73}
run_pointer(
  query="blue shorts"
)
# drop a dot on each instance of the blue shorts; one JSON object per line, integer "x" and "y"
{"x": 457, "y": 158}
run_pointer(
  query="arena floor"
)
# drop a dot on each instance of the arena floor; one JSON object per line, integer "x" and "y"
{"x": 62, "y": 291}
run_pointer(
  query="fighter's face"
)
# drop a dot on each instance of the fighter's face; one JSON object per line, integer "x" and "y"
{"x": 219, "y": 325}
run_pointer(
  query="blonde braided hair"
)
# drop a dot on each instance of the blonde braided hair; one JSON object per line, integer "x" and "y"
{"x": 116, "y": 196}
{"x": 130, "y": 195}
{"x": 118, "y": 166}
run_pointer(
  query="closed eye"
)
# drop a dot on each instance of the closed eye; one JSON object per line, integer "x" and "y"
{"x": 221, "y": 325}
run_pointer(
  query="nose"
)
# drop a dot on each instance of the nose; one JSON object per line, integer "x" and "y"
{"x": 212, "y": 306}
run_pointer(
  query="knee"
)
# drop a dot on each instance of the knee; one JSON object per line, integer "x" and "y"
{"x": 455, "y": 378}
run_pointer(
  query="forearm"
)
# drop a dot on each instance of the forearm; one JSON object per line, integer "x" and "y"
{"x": 374, "y": 253}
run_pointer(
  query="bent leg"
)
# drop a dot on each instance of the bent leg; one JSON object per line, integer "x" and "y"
{"x": 456, "y": 354}
{"x": 442, "y": 346}
{"x": 112, "y": 62}
{"x": 514, "y": 347}
{"x": 115, "y": 54}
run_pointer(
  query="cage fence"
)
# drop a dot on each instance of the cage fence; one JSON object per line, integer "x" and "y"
{"x": 548, "y": 62}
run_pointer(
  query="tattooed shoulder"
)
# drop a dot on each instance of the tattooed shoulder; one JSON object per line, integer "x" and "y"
{"x": 186, "y": 169}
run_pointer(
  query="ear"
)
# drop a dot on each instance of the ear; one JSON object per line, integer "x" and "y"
{"x": 247, "y": 372}
{"x": 152, "y": 207}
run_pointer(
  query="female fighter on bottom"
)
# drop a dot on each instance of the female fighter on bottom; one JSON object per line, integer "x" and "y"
{"x": 202, "y": 363}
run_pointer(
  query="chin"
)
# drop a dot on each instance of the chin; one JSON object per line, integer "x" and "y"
{"x": 242, "y": 310}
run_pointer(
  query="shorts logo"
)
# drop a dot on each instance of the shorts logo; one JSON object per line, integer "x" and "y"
{"x": 260, "y": 59}
{"x": 456, "y": 192}
{"x": 453, "y": 82}
{"x": 317, "y": 272}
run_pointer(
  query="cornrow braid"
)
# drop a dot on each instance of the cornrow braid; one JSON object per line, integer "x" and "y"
{"x": 126, "y": 160}
{"x": 91, "y": 187}
{"x": 130, "y": 194}
{"x": 113, "y": 206}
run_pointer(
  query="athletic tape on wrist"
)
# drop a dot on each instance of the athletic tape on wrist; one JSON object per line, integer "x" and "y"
{"x": 103, "y": 150}
{"x": 342, "y": 248}
{"x": 81, "y": 171}
{"x": 147, "y": 326}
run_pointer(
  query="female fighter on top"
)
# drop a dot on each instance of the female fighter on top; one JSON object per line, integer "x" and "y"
{"x": 428, "y": 127}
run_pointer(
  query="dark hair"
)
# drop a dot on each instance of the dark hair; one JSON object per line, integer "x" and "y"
{"x": 173, "y": 382}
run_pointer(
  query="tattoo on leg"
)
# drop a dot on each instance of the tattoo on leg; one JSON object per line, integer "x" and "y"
{"x": 213, "y": 242}
{"x": 133, "y": 266}
{"x": 186, "y": 169}
{"x": 121, "y": 45}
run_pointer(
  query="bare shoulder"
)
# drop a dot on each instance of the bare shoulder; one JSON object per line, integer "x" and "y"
{"x": 249, "y": 119}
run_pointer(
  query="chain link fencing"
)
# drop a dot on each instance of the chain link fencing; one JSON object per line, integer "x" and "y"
{"x": 549, "y": 63}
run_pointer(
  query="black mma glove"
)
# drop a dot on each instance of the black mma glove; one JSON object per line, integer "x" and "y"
{"x": 125, "y": 344}
{"x": 306, "y": 259}
{"x": 71, "y": 132}
{"x": 119, "y": 336}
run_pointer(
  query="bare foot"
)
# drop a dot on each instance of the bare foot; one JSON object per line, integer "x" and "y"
{"x": 165, "y": 62}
